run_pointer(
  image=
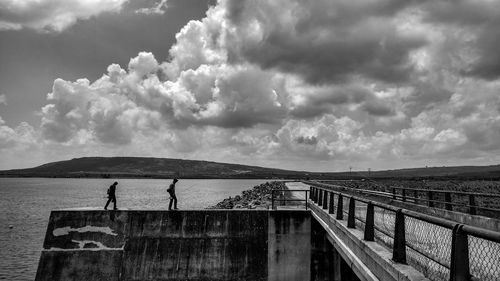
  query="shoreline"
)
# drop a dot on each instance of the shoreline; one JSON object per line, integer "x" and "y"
{"x": 258, "y": 197}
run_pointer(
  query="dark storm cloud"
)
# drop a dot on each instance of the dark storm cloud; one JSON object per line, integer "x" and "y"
{"x": 312, "y": 140}
{"x": 483, "y": 18}
{"x": 377, "y": 108}
{"x": 424, "y": 97}
{"x": 488, "y": 64}
{"x": 331, "y": 99}
{"x": 329, "y": 41}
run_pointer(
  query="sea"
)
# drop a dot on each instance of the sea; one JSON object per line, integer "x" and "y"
{"x": 25, "y": 205}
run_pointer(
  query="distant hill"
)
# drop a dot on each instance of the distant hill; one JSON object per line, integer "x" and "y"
{"x": 140, "y": 167}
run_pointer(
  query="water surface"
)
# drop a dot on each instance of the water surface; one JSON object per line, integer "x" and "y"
{"x": 25, "y": 205}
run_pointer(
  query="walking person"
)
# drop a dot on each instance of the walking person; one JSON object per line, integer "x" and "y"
{"x": 173, "y": 198}
{"x": 111, "y": 196}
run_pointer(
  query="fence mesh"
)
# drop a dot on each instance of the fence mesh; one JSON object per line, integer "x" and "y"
{"x": 384, "y": 226}
{"x": 360, "y": 215}
{"x": 428, "y": 248}
{"x": 484, "y": 259}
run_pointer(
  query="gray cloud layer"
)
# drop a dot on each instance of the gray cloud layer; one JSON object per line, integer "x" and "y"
{"x": 349, "y": 81}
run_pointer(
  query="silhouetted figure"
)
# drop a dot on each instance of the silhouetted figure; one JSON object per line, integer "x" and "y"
{"x": 171, "y": 192}
{"x": 111, "y": 196}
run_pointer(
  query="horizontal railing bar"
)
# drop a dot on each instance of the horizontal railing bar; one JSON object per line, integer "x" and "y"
{"x": 482, "y": 233}
{"x": 441, "y": 191}
{"x": 290, "y": 190}
{"x": 399, "y": 196}
{"x": 434, "y": 220}
{"x": 448, "y": 191}
{"x": 378, "y": 204}
{"x": 475, "y": 231}
{"x": 303, "y": 200}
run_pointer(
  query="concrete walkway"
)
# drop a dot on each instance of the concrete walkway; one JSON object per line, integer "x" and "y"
{"x": 297, "y": 186}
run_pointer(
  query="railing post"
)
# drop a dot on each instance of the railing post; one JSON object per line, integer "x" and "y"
{"x": 320, "y": 197}
{"x": 331, "y": 206}
{"x": 394, "y": 193}
{"x": 447, "y": 199}
{"x": 415, "y": 195}
{"x": 403, "y": 193}
{"x": 313, "y": 194}
{"x": 369, "y": 223}
{"x": 325, "y": 200}
{"x": 316, "y": 190}
{"x": 472, "y": 204}
{"x": 340, "y": 206}
{"x": 351, "y": 215}
{"x": 459, "y": 267}
{"x": 399, "y": 246}
{"x": 430, "y": 202}
{"x": 272, "y": 199}
{"x": 310, "y": 193}
{"x": 307, "y": 197}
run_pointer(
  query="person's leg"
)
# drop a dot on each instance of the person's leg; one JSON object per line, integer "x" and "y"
{"x": 170, "y": 203}
{"x": 107, "y": 203}
{"x": 114, "y": 202}
{"x": 175, "y": 201}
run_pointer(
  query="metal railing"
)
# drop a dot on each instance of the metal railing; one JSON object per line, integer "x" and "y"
{"x": 466, "y": 202}
{"x": 283, "y": 198}
{"x": 441, "y": 249}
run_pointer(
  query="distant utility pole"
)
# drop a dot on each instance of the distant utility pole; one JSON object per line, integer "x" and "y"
{"x": 369, "y": 170}
{"x": 350, "y": 170}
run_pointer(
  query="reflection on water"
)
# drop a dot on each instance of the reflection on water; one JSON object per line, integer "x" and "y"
{"x": 25, "y": 205}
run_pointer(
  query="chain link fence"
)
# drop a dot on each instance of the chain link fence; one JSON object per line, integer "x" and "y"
{"x": 430, "y": 244}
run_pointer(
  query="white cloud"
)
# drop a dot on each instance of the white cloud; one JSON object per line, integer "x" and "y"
{"x": 52, "y": 15}
{"x": 3, "y": 99}
{"x": 328, "y": 83}
{"x": 158, "y": 9}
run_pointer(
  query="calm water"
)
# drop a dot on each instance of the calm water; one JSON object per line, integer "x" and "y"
{"x": 25, "y": 205}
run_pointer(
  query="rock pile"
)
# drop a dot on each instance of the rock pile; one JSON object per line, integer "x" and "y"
{"x": 258, "y": 197}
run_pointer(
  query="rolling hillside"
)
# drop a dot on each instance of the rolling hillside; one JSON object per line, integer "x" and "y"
{"x": 140, "y": 167}
{"x": 148, "y": 167}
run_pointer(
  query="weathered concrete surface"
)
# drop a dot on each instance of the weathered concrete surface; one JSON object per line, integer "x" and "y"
{"x": 196, "y": 245}
{"x": 79, "y": 265}
{"x": 180, "y": 245}
{"x": 289, "y": 251}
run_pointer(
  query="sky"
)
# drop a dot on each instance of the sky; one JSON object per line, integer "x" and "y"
{"x": 316, "y": 85}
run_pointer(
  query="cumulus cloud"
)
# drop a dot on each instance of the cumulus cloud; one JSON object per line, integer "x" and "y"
{"x": 287, "y": 81}
{"x": 51, "y": 15}
{"x": 18, "y": 138}
{"x": 323, "y": 41}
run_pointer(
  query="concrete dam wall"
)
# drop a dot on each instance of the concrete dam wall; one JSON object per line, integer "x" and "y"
{"x": 178, "y": 245}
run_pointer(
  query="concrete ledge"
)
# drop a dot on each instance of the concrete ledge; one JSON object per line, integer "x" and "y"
{"x": 176, "y": 245}
{"x": 369, "y": 260}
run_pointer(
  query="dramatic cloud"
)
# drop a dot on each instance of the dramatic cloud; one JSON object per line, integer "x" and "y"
{"x": 19, "y": 138}
{"x": 328, "y": 83}
{"x": 51, "y": 15}
{"x": 324, "y": 40}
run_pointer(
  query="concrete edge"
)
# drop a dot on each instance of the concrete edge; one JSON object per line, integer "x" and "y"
{"x": 355, "y": 263}
{"x": 396, "y": 270}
